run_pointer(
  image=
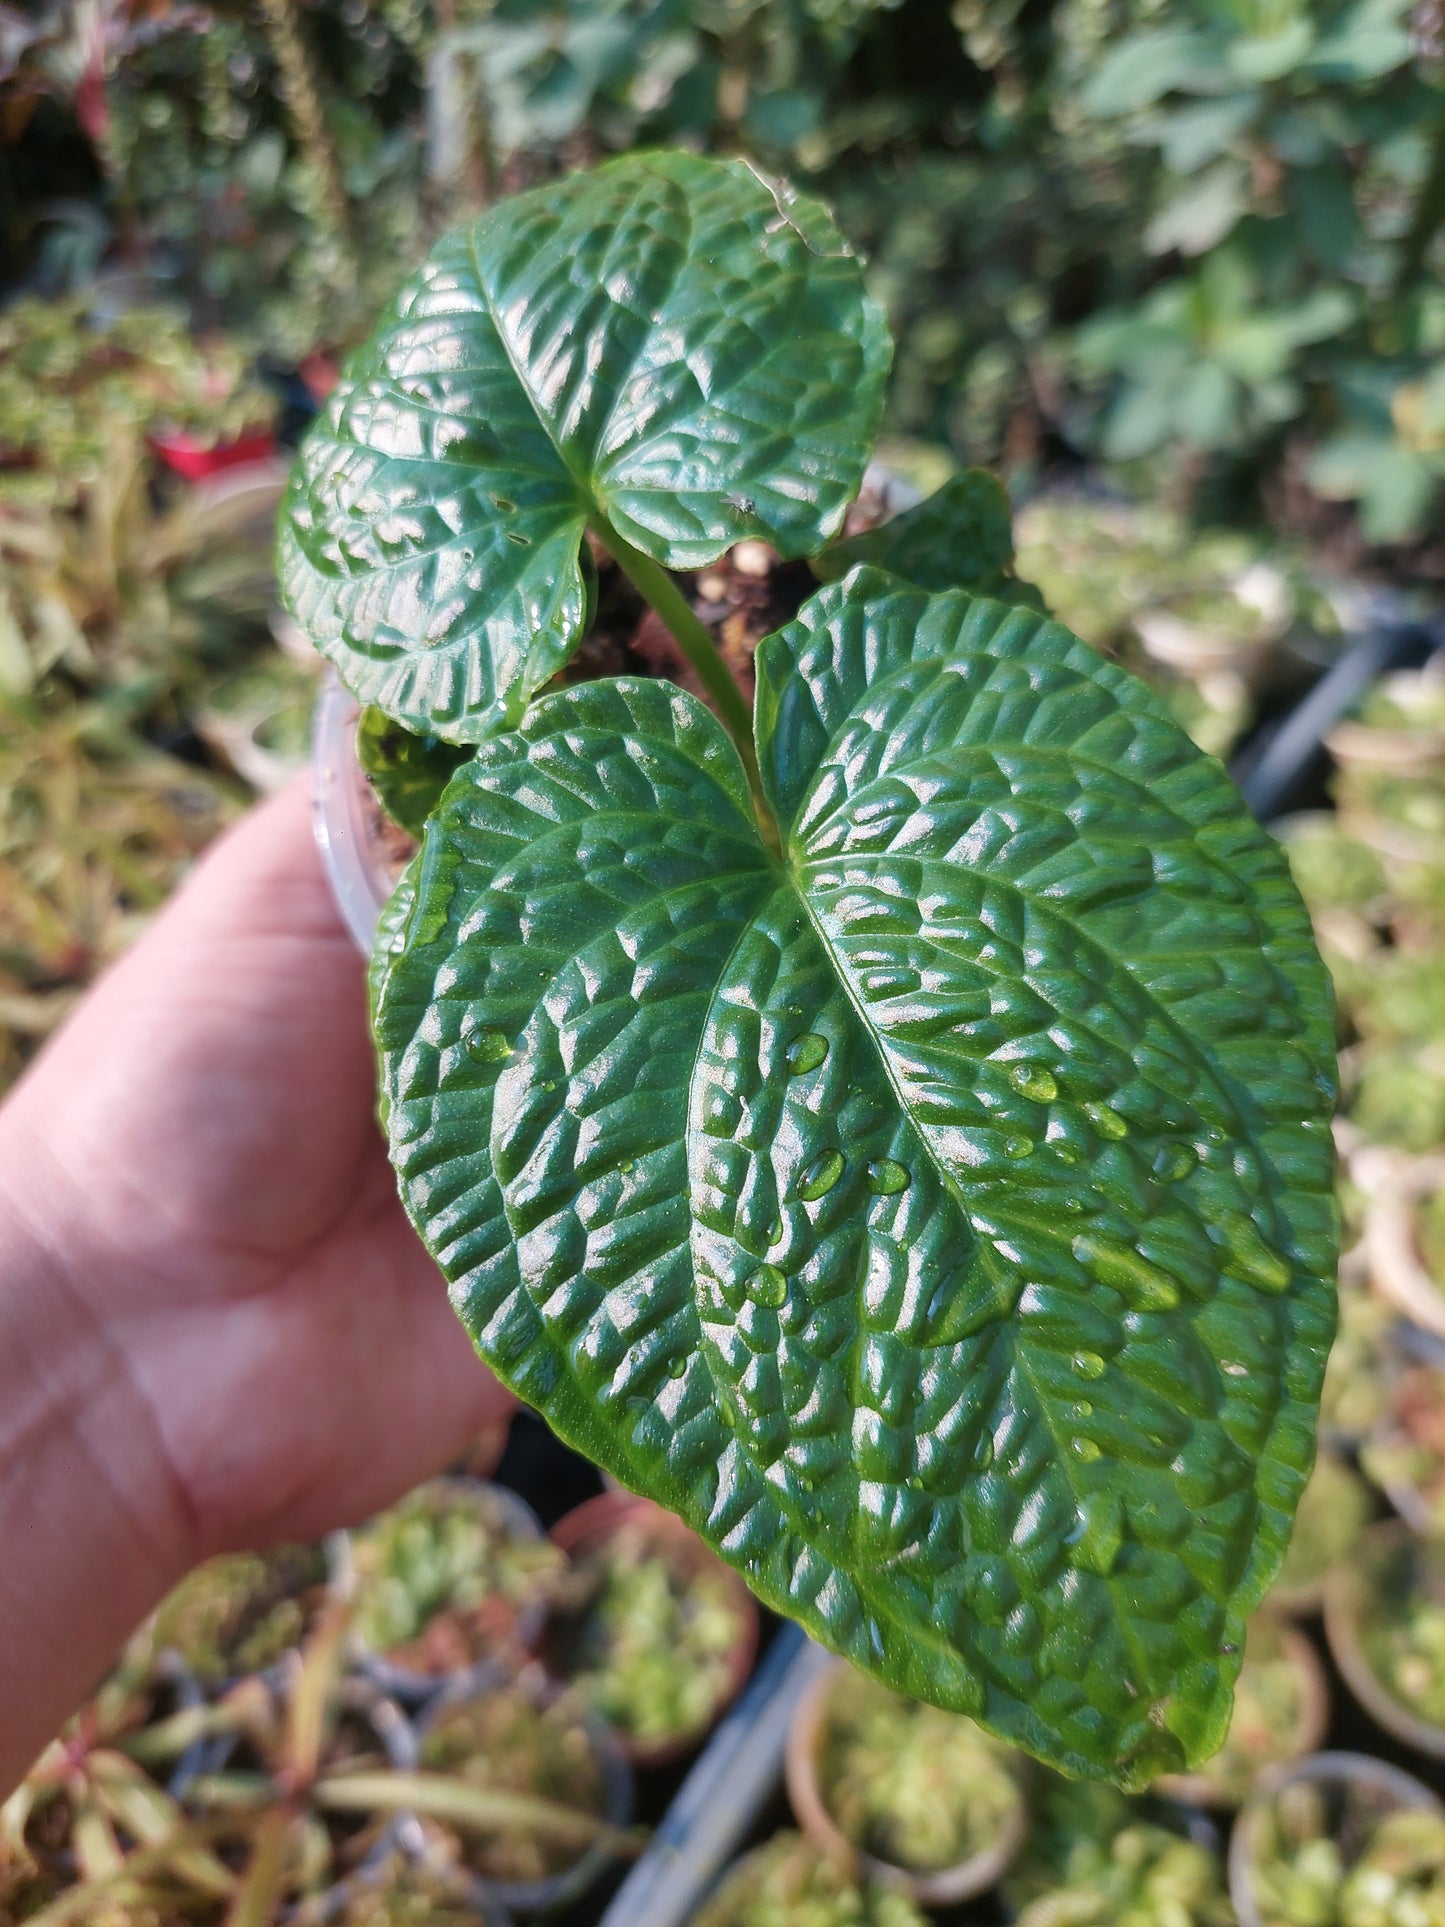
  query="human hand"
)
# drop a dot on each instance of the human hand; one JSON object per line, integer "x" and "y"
{"x": 217, "y": 1328}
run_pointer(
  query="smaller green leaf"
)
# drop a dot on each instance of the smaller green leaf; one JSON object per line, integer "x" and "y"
{"x": 1270, "y": 56}
{"x": 407, "y": 772}
{"x": 960, "y": 538}
{"x": 1146, "y": 66}
{"x": 669, "y": 351}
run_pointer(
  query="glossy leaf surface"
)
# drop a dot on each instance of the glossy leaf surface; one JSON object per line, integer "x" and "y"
{"x": 667, "y": 346}
{"x": 941, "y": 1219}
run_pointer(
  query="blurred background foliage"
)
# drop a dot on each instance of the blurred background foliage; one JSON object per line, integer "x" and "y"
{"x": 1196, "y": 240}
{"x": 1172, "y": 267}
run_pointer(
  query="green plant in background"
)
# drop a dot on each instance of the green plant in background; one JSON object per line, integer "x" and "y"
{"x": 656, "y": 1641}
{"x": 242, "y": 1612}
{"x": 443, "y": 1578}
{"x": 909, "y": 1784}
{"x": 1391, "y": 1875}
{"x": 791, "y": 1883}
{"x": 535, "y": 1766}
{"x": 1095, "y": 1859}
{"x": 1298, "y": 200}
{"x": 647, "y": 926}
{"x": 96, "y": 829}
{"x": 1404, "y": 1641}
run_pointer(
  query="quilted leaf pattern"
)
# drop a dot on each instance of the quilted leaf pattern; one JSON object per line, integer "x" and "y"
{"x": 666, "y": 347}
{"x": 940, "y": 1219}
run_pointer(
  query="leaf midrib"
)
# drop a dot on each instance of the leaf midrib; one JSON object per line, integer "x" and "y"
{"x": 590, "y": 502}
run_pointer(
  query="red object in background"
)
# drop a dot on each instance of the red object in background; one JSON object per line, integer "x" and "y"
{"x": 196, "y": 461}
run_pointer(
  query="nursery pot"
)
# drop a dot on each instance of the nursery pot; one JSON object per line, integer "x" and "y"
{"x": 312, "y": 1581}
{"x": 588, "y": 1530}
{"x": 942, "y": 1888}
{"x": 1393, "y": 1562}
{"x": 196, "y": 460}
{"x": 362, "y": 850}
{"x": 493, "y": 1897}
{"x": 1394, "y": 1185}
{"x": 1385, "y": 1454}
{"x": 1204, "y": 1789}
{"x": 412, "y": 1685}
{"x": 1354, "y": 1784}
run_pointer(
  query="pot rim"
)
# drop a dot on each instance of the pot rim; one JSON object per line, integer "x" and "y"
{"x": 559, "y": 1889}
{"x": 596, "y": 1522}
{"x": 1345, "y": 1595}
{"x": 939, "y": 1887}
{"x": 1401, "y": 1789}
{"x": 410, "y": 1685}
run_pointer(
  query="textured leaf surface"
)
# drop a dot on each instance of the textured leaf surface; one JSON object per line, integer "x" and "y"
{"x": 940, "y": 1220}
{"x": 960, "y": 537}
{"x": 667, "y": 345}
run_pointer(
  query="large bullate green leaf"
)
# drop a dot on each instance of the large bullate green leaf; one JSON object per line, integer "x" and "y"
{"x": 667, "y": 348}
{"x": 940, "y": 1218}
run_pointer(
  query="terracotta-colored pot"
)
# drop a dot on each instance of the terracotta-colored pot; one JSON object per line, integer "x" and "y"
{"x": 1391, "y": 1559}
{"x": 942, "y": 1888}
{"x": 589, "y": 1528}
{"x": 1203, "y": 1789}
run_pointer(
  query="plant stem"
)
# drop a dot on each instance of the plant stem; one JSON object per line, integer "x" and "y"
{"x": 464, "y": 1804}
{"x": 666, "y": 600}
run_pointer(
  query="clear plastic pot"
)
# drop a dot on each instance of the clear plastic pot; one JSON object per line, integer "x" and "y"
{"x": 363, "y": 853}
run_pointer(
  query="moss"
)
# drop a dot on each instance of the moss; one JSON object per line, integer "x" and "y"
{"x": 791, "y": 1883}
{"x": 909, "y": 1784}
{"x": 443, "y": 1578}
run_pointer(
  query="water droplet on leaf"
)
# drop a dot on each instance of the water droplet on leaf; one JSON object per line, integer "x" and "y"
{"x": 983, "y": 1457}
{"x": 768, "y": 1286}
{"x": 677, "y": 1368}
{"x": 488, "y": 1045}
{"x": 1088, "y": 1364}
{"x": 1173, "y": 1162}
{"x": 806, "y": 1053}
{"x": 1145, "y": 1286}
{"x": 1086, "y": 1450}
{"x": 1106, "y": 1122}
{"x": 885, "y": 1178}
{"x": 821, "y": 1175}
{"x": 1247, "y": 1255}
{"x": 775, "y": 1232}
{"x": 1032, "y": 1080}
{"x": 1017, "y": 1146}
